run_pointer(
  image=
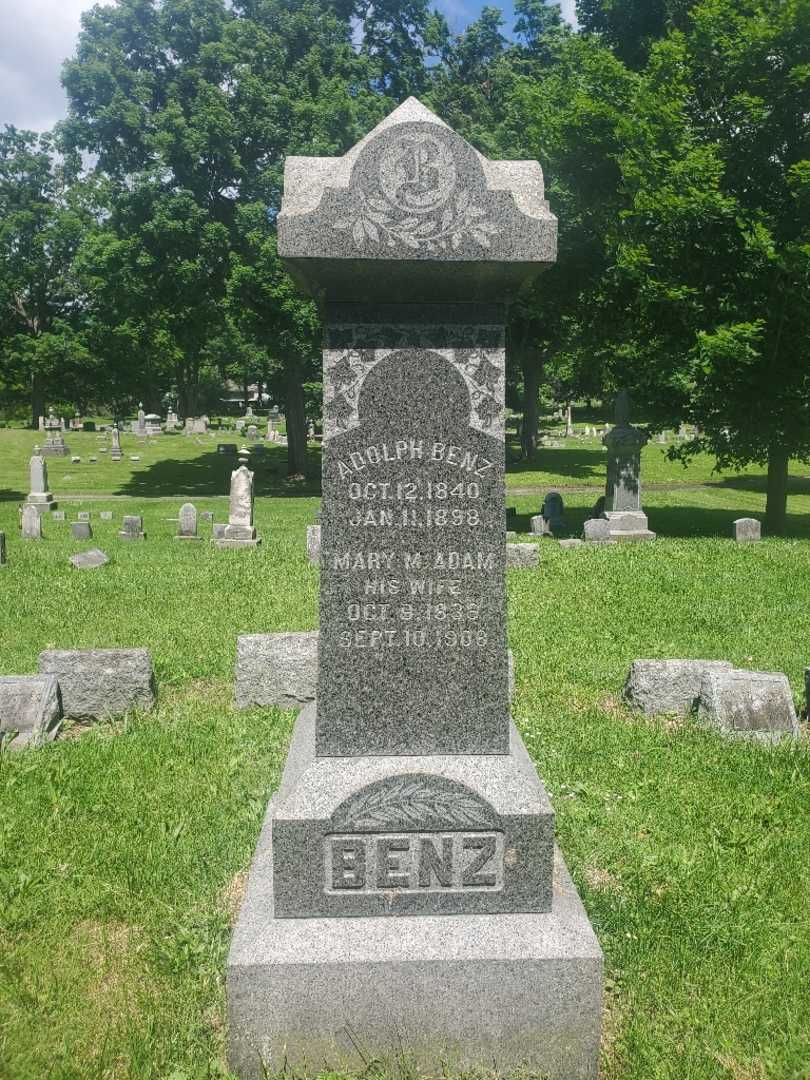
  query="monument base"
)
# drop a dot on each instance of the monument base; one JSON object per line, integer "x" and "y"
{"x": 188, "y": 538}
{"x": 238, "y": 543}
{"x": 465, "y": 991}
{"x": 628, "y": 526}
{"x": 42, "y": 502}
{"x": 54, "y": 451}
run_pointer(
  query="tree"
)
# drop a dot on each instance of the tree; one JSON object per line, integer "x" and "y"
{"x": 712, "y": 253}
{"x": 44, "y": 212}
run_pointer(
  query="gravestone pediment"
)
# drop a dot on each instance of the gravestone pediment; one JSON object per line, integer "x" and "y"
{"x": 410, "y": 194}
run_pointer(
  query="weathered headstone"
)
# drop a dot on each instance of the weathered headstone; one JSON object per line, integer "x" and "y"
{"x": 408, "y": 799}
{"x": 58, "y": 515}
{"x": 314, "y": 544}
{"x": 38, "y": 495}
{"x": 89, "y": 560}
{"x": 81, "y": 530}
{"x": 116, "y": 453}
{"x": 83, "y": 515}
{"x": 54, "y": 439}
{"x": 132, "y": 528}
{"x": 30, "y": 706}
{"x": 276, "y": 669}
{"x": 748, "y": 704}
{"x": 747, "y": 530}
{"x": 218, "y": 531}
{"x": 187, "y": 523}
{"x": 100, "y": 683}
{"x": 106, "y": 515}
{"x": 624, "y": 443}
{"x": 140, "y": 424}
{"x": 31, "y": 523}
{"x": 668, "y": 686}
{"x": 240, "y": 530}
{"x": 597, "y": 531}
{"x": 522, "y": 556}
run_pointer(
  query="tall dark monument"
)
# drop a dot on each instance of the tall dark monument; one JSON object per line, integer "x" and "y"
{"x": 406, "y": 894}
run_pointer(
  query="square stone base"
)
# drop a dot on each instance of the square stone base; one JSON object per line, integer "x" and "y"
{"x": 466, "y": 991}
{"x": 628, "y": 526}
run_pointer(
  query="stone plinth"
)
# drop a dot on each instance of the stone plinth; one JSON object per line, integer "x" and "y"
{"x": 511, "y": 991}
{"x": 403, "y": 898}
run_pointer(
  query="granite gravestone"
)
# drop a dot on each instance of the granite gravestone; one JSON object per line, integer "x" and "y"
{"x": 624, "y": 443}
{"x": 81, "y": 530}
{"x": 187, "y": 523}
{"x": 39, "y": 496}
{"x": 31, "y": 523}
{"x": 54, "y": 440}
{"x": 240, "y": 531}
{"x": 405, "y": 895}
{"x": 116, "y": 454}
{"x": 747, "y": 530}
{"x": 132, "y": 528}
{"x": 30, "y": 708}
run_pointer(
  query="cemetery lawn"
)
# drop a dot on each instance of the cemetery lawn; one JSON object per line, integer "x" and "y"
{"x": 123, "y": 848}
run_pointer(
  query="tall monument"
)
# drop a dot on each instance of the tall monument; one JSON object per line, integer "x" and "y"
{"x": 406, "y": 895}
{"x": 626, "y": 519}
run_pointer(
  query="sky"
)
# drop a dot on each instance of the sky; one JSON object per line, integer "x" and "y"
{"x": 40, "y": 34}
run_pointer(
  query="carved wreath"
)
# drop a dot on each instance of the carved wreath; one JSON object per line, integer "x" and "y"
{"x": 414, "y": 801}
{"x": 378, "y": 222}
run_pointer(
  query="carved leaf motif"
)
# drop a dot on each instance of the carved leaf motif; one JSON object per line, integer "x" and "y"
{"x": 415, "y": 801}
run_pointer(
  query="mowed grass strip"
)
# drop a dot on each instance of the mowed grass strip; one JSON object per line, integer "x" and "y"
{"x": 123, "y": 851}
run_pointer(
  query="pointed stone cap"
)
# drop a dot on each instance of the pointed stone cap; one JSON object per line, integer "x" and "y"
{"x": 413, "y": 212}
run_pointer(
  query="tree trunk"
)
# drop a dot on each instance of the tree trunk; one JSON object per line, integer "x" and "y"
{"x": 776, "y": 503}
{"x": 532, "y": 367}
{"x": 37, "y": 399}
{"x": 296, "y": 424}
{"x": 245, "y": 389}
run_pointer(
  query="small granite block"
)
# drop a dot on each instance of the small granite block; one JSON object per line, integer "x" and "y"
{"x": 81, "y": 530}
{"x": 539, "y": 526}
{"x": 522, "y": 556}
{"x": 748, "y": 704}
{"x": 276, "y": 669}
{"x": 314, "y": 544}
{"x": 747, "y": 530}
{"x": 628, "y": 526}
{"x": 571, "y": 543}
{"x": 58, "y": 515}
{"x": 31, "y": 706}
{"x": 89, "y": 560}
{"x": 106, "y": 515}
{"x": 459, "y": 992}
{"x": 100, "y": 683}
{"x": 218, "y": 531}
{"x": 83, "y": 515}
{"x": 668, "y": 686}
{"x": 597, "y": 530}
{"x": 227, "y": 543}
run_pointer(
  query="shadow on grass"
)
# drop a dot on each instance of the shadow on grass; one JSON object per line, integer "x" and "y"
{"x": 7, "y": 495}
{"x": 674, "y": 522}
{"x": 579, "y": 462}
{"x": 684, "y": 521}
{"x": 210, "y": 474}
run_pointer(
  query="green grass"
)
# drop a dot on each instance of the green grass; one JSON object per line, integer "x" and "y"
{"x": 122, "y": 851}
